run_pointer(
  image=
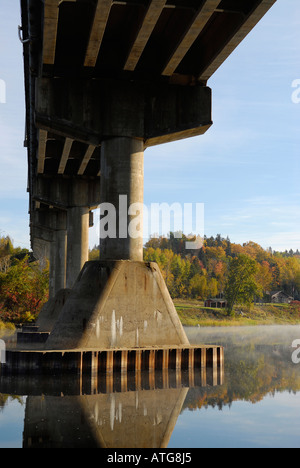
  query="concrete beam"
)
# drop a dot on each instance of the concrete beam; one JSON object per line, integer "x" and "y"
{"x": 40, "y": 233}
{"x": 97, "y": 32}
{"x": 262, "y": 8}
{"x": 51, "y": 15}
{"x": 65, "y": 155}
{"x": 42, "y": 150}
{"x": 43, "y": 223}
{"x": 93, "y": 110}
{"x": 202, "y": 17}
{"x": 86, "y": 159}
{"x": 177, "y": 112}
{"x": 64, "y": 193}
{"x": 152, "y": 15}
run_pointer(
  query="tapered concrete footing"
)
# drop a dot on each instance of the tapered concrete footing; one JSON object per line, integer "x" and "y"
{"x": 118, "y": 304}
{"x": 51, "y": 311}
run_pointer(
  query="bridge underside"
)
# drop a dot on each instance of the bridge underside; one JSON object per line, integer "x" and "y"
{"x": 104, "y": 80}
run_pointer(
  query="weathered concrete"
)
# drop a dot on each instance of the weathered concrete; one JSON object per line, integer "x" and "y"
{"x": 58, "y": 256}
{"x": 78, "y": 242}
{"x": 49, "y": 227}
{"x": 64, "y": 193}
{"x": 41, "y": 251}
{"x": 122, "y": 173}
{"x": 31, "y": 340}
{"x": 93, "y": 110}
{"x": 118, "y": 304}
{"x": 51, "y": 311}
{"x": 65, "y": 228}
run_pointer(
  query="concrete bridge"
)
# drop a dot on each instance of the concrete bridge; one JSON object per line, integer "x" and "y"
{"x": 104, "y": 80}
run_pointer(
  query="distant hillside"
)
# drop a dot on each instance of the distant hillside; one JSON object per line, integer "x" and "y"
{"x": 203, "y": 273}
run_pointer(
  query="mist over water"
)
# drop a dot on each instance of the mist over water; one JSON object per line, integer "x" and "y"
{"x": 282, "y": 335}
{"x": 258, "y": 404}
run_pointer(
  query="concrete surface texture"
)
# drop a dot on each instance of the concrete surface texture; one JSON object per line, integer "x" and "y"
{"x": 118, "y": 304}
{"x": 51, "y": 310}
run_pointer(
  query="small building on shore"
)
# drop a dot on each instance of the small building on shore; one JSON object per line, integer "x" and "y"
{"x": 280, "y": 297}
{"x": 218, "y": 303}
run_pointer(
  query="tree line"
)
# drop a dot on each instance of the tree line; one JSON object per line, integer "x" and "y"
{"x": 240, "y": 272}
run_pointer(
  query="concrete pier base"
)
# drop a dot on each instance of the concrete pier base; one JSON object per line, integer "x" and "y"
{"x": 109, "y": 362}
{"x": 118, "y": 304}
{"x": 51, "y": 311}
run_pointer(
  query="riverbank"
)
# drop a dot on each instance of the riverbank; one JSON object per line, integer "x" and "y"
{"x": 193, "y": 313}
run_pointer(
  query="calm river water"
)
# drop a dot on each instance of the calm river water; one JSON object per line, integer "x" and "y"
{"x": 254, "y": 403}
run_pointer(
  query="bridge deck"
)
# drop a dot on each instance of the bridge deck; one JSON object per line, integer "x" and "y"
{"x": 169, "y": 41}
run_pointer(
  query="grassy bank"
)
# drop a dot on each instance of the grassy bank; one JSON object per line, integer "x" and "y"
{"x": 193, "y": 313}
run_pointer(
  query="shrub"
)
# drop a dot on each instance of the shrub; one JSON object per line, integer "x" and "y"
{"x": 23, "y": 292}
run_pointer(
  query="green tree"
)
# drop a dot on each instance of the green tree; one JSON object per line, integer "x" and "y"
{"x": 212, "y": 287}
{"x": 198, "y": 286}
{"x": 241, "y": 286}
{"x": 291, "y": 273}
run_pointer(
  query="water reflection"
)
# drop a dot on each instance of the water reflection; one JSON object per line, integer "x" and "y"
{"x": 254, "y": 402}
{"x": 133, "y": 410}
{"x": 258, "y": 360}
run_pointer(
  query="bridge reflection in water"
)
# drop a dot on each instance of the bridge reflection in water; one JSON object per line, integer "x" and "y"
{"x": 116, "y": 410}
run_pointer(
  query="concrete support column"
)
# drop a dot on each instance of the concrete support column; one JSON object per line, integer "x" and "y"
{"x": 58, "y": 251}
{"x": 52, "y": 270}
{"x": 78, "y": 219}
{"x": 41, "y": 251}
{"x": 122, "y": 186}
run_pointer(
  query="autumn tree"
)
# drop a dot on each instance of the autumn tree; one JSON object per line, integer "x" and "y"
{"x": 204, "y": 273}
{"x": 291, "y": 275}
{"x": 212, "y": 287}
{"x": 6, "y": 250}
{"x": 23, "y": 291}
{"x": 198, "y": 286}
{"x": 241, "y": 286}
{"x": 264, "y": 276}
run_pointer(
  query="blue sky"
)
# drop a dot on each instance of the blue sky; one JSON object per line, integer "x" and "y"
{"x": 245, "y": 170}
